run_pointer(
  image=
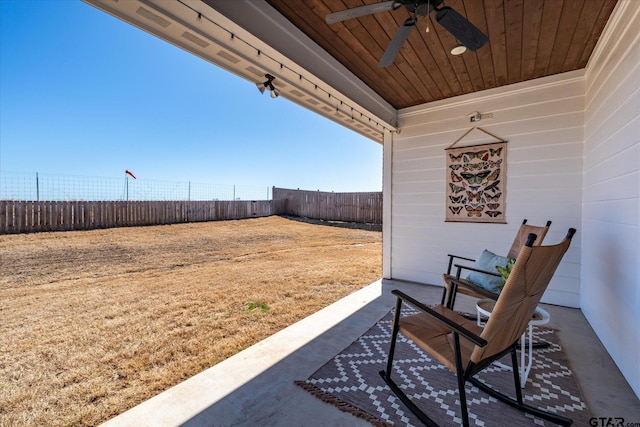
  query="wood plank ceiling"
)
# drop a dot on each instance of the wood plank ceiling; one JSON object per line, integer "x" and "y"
{"x": 528, "y": 39}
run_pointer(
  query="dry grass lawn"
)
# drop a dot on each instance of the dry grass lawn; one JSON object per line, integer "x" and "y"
{"x": 95, "y": 322}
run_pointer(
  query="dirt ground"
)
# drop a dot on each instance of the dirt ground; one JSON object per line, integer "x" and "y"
{"x": 95, "y": 322}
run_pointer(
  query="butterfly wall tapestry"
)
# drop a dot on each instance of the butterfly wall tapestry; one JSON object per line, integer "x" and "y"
{"x": 476, "y": 183}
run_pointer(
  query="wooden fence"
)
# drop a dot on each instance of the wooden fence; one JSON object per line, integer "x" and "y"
{"x": 347, "y": 207}
{"x": 29, "y": 216}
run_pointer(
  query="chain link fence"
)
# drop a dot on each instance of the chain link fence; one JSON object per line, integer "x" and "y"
{"x": 52, "y": 187}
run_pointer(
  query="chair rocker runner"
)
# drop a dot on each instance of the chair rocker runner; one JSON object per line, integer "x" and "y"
{"x": 454, "y": 284}
{"x": 466, "y": 348}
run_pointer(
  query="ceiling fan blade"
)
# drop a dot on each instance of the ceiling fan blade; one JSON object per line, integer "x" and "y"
{"x": 359, "y": 11}
{"x": 397, "y": 42}
{"x": 466, "y": 33}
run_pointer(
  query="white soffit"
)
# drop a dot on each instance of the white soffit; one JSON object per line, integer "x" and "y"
{"x": 197, "y": 28}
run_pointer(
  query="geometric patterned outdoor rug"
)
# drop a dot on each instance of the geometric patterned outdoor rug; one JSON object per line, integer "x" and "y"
{"x": 351, "y": 382}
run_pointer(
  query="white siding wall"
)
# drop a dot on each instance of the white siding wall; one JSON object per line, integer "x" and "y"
{"x": 543, "y": 120}
{"x": 610, "y": 295}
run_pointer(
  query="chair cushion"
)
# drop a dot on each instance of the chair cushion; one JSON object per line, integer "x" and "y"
{"x": 488, "y": 261}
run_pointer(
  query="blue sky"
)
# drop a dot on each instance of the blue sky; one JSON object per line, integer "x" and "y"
{"x": 83, "y": 93}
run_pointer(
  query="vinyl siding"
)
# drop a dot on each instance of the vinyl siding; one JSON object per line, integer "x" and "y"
{"x": 610, "y": 294}
{"x": 543, "y": 122}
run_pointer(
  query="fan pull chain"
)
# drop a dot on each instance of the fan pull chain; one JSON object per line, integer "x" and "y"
{"x": 428, "y": 12}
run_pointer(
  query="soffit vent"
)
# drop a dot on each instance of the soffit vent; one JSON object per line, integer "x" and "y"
{"x": 297, "y": 93}
{"x": 197, "y": 40}
{"x": 327, "y": 109}
{"x": 312, "y": 101}
{"x": 255, "y": 71}
{"x": 153, "y": 17}
{"x": 226, "y": 55}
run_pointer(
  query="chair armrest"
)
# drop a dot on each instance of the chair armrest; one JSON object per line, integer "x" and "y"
{"x": 452, "y": 257}
{"x": 461, "y": 257}
{"x": 464, "y": 267}
{"x": 477, "y": 340}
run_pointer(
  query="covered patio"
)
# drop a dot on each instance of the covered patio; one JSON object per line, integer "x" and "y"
{"x": 256, "y": 386}
{"x": 558, "y": 80}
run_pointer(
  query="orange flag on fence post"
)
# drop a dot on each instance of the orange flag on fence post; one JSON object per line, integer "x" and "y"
{"x": 126, "y": 182}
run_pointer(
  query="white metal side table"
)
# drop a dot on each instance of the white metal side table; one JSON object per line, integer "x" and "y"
{"x": 539, "y": 317}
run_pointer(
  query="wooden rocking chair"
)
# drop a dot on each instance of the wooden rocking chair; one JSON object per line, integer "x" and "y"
{"x": 454, "y": 284}
{"x": 466, "y": 348}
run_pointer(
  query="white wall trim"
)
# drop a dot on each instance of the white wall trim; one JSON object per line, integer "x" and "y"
{"x": 387, "y": 201}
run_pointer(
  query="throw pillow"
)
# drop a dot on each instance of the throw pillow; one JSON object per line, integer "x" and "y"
{"x": 488, "y": 261}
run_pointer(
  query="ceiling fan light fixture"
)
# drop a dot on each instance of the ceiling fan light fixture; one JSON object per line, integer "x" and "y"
{"x": 467, "y": 34}
{"x": 458, "y": 49}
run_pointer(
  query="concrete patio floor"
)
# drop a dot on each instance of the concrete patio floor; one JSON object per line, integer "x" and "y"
{"x": 256, "y": 386}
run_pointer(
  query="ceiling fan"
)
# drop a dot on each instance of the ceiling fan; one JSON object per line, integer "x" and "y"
{"x": 464, "y": 31}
